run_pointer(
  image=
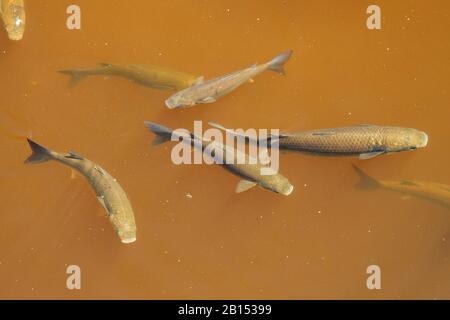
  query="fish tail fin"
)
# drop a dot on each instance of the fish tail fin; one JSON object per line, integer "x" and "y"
{"x": 276, "y": 64}
{"x": 365, "y": 182}
{"x": 39, "y": 153}
{"x": 163, "y": 134}
{"x": 75, "y": 76}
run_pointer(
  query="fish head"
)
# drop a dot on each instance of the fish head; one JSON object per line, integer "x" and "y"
{"x": 280, "y": 184}
{"x": 408, "y": 139}
{"x": 127, "y": 234}
{"x": 14, "y": 20}
{"x": 179, "y": 100}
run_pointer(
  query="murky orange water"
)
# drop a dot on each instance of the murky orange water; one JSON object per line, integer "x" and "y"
{"x": 316, "y": 243}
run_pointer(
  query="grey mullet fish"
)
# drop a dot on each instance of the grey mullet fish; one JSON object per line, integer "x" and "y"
{"x": 109, "y": 192}
{"x": 249, "y": 172}
{"x": 209, "y": 91}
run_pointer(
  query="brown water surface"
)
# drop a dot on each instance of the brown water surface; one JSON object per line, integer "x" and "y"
{"x": 316, "y": 243}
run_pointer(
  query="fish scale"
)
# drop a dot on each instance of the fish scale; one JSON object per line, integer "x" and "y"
{"x": 352, "y": 140}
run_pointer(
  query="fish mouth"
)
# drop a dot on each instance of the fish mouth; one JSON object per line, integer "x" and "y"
{"x": 128, "y": 240}
{"x": 288, "y": 191}
{"x": 127, "y": 236}
{"x": 424, "y": 141}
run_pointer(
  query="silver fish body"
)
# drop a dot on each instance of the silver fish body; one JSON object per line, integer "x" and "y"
{"x": 13, "y": 15}
{"x": 246, "y": 168}
{"x": 209, "y": 91}
{"x": 109, "y": 192}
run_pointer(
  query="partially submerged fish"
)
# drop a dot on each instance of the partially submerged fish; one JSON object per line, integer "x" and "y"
{"x": 146, "y": 75}
{"x": 210, "y": 90}
{"x": 435, "y": 192}
{"x": 108, "y": 191}
{"x": 249, "y": 172}
{"x": 365, "y": 141}
{"x": 13, "y": 15}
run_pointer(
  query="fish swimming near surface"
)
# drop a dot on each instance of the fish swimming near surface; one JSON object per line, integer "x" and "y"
{"x": 365, "y": 141}
{"x": 13, "y": 15}
{"x": 146, "y": 75}
{"x": 209, "y": 91}
{"x": 249, "y": 172}
{"x": 432, "y": 191}
{"x": 108, "y": 191}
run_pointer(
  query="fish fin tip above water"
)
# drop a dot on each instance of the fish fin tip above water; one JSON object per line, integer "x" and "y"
{"x": 276, "y": 64}
{"x": 365, "y": 181}
{"x": 199, "y": 80}
{"x": 75, "y": 76}
{"x": 244, "y": 185}
{"x": 39, "y": 153}
{"x": 370, "y": 155}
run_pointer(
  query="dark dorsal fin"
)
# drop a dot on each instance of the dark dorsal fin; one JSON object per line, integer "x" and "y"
{"x": 74, "y": 155}
{"x": 408, "y": 183}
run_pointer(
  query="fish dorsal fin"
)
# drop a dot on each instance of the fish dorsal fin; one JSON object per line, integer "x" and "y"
{"x": 323, "y": 133}
{"x": 408, "y": 183}
{"x": 369, "y": 155}
{"x": 105, "y": 64}
{"x": 199, "y": 80}
{"x": 244, "y": 185}
{"x": 74, "y": 155}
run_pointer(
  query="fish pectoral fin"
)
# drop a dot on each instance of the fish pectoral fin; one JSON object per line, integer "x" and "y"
{"x": 244, "y": 185}
{"x": 370, "y": 155}
{"x": 74, "y": 155}
{"x": 207, "y": 100}
{"x": 102, "y": 202}
{"x": 199, "y": 80}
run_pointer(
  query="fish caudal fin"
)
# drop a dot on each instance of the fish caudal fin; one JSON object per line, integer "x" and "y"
{"x": 366, "y": 182}
{"x": 276, "y": 64}
{"x": 39, "y": 153}
{"x": 75, "y": 76}
{"x": 163, "y": 134}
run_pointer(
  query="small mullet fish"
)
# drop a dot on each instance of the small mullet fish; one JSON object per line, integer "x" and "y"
{"x": 146, "y": 75}
{"x": 110, "y": 194}
{"x": 13, "y": 15}
{"x": 434, "y": 192}
{"x": 365, "y": 141}
{"x": 209, "y": 91}
{"x": 249, "y": 172}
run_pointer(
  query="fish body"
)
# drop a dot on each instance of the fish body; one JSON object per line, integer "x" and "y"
{"x": 109, "y": 193}
{"x": 365, "y": 141}
{"x": 147, "y": 75}
{"x": 209, "y": 91}
{"x": 249, "y": 170}
{"x": 13, "y": 15}
{"x": 435, "y": 192}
